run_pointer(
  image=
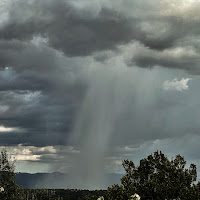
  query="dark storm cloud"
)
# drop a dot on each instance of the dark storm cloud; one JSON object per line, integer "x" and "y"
{"x": 39, "y": 93}
{"x": 68, "y": 30}
{"x": 42, "y": 112}
{"x": 49, "y": 48}
{"x": 35, "y": 65}
{"x": 76, "y": 32}
{"x": 80, "y": 31}
{"x": 22, "y": 55}
{"x": 38, "y": 121}
{"x": 10, "y": 80}
{"x": 178, "y": 57}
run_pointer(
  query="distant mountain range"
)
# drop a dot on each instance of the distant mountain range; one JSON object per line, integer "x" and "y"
{"x": 56, "y": 180}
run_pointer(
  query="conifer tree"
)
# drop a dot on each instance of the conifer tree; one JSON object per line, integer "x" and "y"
{"x": 158, "y": 178}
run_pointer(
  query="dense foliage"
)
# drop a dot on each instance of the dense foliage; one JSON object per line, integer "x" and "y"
{"x": 12, "y": 191}
{"x": 117, "y": 192}
{"x": 62, "y": 194}
{"x": 158, "y": 178}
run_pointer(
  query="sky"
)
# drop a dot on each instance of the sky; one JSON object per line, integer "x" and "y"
{"x": 85, "y": 84}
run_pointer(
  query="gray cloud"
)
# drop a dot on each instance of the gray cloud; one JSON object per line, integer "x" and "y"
{"x": 68, "y": 29}
{"x": 177, "y": 57}
{"x": 64, "y": 78}
{"x": 82, "y": 28}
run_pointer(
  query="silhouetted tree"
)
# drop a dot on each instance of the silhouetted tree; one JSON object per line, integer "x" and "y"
{"x": 158, "y": 178}
{"x": 117, "y": 192}
{"x": 12, "y": 191}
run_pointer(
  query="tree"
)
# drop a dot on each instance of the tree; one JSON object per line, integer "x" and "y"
{"x": 158, "y": 178}
{"x": 12, "y": 191}
{"x": 116, "y": 192}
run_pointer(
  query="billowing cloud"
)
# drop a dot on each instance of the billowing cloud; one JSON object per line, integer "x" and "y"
{"x": 184, "y": 58}
{"x": 175, "y": 84}
{"x": 40, "y": 154}
{"x": 166, "y": 34}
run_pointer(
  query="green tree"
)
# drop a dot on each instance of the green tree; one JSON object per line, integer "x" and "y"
{"x": 116, "y": 192}
{"x": 158, "y": 178}
{"x": 12, "y": 191}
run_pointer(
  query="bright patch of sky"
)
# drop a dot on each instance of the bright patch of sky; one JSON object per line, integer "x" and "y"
{"x": 175, "y": 84}
{"x": 7, "y": 129}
